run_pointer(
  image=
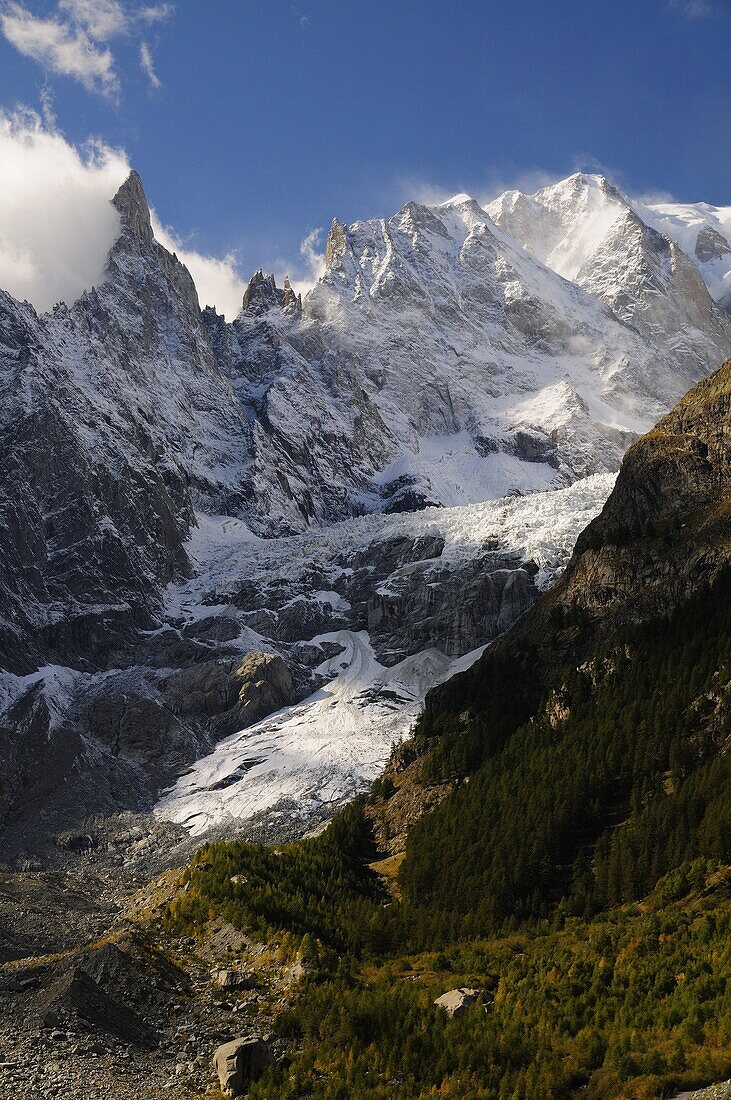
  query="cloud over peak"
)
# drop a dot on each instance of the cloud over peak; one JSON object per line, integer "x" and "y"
{"x": 56, "y": 221}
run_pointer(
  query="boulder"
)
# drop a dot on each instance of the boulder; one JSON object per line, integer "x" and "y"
{"x": 240, "y": 1062}
{"x": 233, "y": 979}
{"x": 222, "y": 938}
{"x": 455, "y": 1002}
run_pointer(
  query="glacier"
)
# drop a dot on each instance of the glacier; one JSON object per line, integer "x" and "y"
{"x": 305, "y": 760}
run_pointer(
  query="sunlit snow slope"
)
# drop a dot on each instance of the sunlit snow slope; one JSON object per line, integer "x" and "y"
{"x": 303, "y": 760}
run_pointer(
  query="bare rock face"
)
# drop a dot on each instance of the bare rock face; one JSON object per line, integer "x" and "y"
{"x": 99, "y": 472}
{"x": 711, "y": 245}
{"x": 240, "y": 1062}
{"x": 232, "y": 693}
{"x": 141, "y": 730}
{"x": 456, "y": 610}
{"x": 665, "y": 528}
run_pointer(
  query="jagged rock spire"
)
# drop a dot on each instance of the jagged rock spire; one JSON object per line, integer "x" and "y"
{"x": 336, "y": 242}
{"x": 263, "y": 294}
{"x": 131, "y": 203}
{"x": 291, "y": 302}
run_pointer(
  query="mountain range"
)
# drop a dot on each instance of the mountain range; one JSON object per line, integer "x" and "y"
{"x": 421, "y": 580}
{"x": 153, "y": 454}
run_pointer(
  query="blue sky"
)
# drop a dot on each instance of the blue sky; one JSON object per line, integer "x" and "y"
{"x": 256, "y": 121}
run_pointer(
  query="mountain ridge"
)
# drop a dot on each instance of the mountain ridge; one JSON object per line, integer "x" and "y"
{"x": 435, "y": 362}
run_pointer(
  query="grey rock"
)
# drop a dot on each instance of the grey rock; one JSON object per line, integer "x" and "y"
{"x": 240, "y": 1062}
{"x": 456, "y": 1002}
{"x": 234, "y": 979}
{"x": 233, "y": 694}
{"x": 711, "y": 245}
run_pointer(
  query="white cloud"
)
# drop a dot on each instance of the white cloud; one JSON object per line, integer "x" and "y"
{"x": 654, "y": 198}
{"x": 102, "y": 19}
{"x": 148, "y": 66}
{"x": 155, "y": 14}
{"x": 74, "y": 41}
{"x": 56, "y": 220}
{"x": 61, "y": 48}
{"x": 304, "y": 280}
{"x": 218, "y": 280}
{"x": 105, "y": 19}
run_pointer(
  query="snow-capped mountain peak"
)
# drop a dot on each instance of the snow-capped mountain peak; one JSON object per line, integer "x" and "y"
{"x": 703, "y": 232}
{"x": 585, "y": 229}
{"x": 458, "y": 200}
{"x": 562, "y": 224}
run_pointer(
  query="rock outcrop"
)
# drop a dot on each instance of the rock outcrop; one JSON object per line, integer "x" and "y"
{"x": 666, "y": 528}
{"x": 263, "y": 294}
{"x": 233, "y": 694}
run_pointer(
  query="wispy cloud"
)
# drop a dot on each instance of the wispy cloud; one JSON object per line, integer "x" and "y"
{"x": 148, "y": 66}
{"x": 156, "y": 13}
{"x": 693, "y": 9}
{"x": 74, "y": 40}
{"x": 107, "y": 19}
{"x": 102, "y": 19}
{"x": 313, "y": 255}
